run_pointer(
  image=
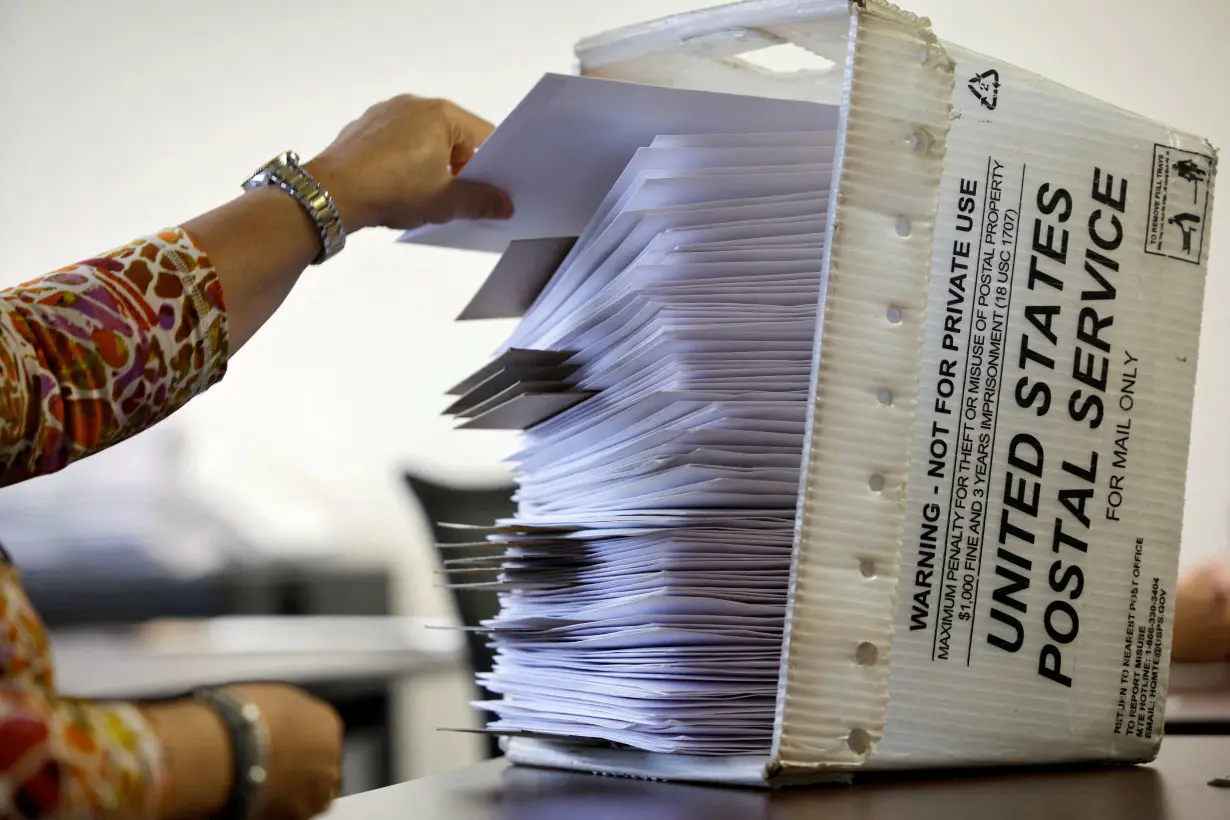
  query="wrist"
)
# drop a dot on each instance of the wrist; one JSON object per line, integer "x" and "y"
{"x": 197, "y": 753}
{"x": 349, "y": 206}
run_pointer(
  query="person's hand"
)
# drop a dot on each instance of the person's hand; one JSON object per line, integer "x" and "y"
{"x": 394, "y": 167}
{"x": 1202, "y": 616}
{"x": 305, "y": 750}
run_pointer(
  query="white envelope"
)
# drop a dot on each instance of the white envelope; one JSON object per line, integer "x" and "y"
{"x": 558, "y": 153}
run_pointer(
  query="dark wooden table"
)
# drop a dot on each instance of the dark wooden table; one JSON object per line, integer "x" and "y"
{"x": 1173, "y": 788}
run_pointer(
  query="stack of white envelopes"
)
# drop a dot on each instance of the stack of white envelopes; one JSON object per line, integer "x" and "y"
{"x": 662, "y": 377}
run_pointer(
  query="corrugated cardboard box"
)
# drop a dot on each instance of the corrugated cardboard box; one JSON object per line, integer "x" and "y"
{"x": 988, "y": 531}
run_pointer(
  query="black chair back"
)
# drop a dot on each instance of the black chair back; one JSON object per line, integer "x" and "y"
{"x": 446, "y": 504}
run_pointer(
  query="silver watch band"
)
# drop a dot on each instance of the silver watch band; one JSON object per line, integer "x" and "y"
{"x": 285, "y": 172}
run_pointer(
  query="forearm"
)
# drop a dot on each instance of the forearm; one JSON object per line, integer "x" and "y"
{"x": 197, "y": 756}
{"x": 259, "y": 244}
{"x": 98, "y": 351}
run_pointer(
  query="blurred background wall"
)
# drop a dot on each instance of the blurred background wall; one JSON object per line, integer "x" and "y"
{"x": 122, "y": 117}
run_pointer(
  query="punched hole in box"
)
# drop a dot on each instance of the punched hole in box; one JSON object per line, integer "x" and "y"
{"x": 859, "y": 741}
{"x": 921, "y": 141}
{"x": 866, "y": 654}
{"x": 876, "y": 483}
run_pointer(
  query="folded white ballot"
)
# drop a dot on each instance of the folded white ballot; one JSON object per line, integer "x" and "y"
{"x": 855, "y": 407}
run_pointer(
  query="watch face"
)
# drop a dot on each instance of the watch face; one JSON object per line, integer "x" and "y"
{"x": 269, "y": 170}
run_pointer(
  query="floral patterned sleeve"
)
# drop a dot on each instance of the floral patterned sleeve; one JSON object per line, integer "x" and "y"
{"x": 89, "y": 355}
{"x": 97, "y": 351}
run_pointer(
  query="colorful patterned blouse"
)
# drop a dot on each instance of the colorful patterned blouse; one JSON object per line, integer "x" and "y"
{"x": 90, "y": 354}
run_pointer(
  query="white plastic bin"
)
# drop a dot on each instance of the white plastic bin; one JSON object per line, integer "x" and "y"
{"x": 984, "y": 564}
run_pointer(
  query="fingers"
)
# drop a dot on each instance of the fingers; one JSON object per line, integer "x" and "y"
{"x": 461, "y": 199}
{"x": 462, "y": 154}
{"x": 470, "y": 200}
{"x": 465, "y": 129}
{"x": 320, "y": 797}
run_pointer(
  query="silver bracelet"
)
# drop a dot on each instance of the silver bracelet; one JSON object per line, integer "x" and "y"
{"x": 285, "y": 172}
{"x": 250, "y": 750}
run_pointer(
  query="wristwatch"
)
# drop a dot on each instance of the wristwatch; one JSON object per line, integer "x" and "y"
{"x": 285, "y": 172}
